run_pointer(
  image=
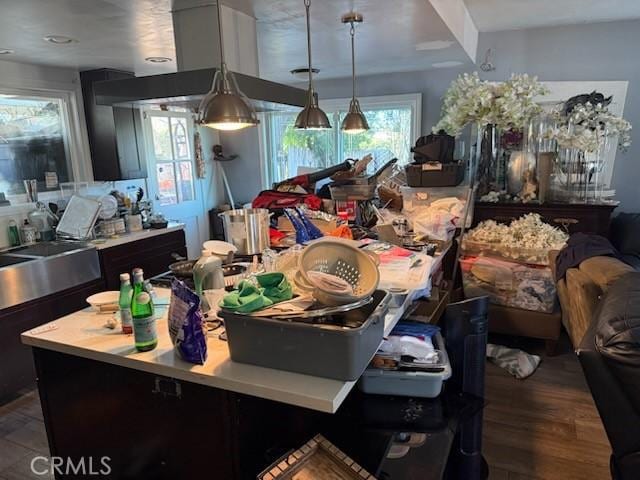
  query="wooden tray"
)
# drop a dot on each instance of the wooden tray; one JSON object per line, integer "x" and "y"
{"x": 318, "y": 459}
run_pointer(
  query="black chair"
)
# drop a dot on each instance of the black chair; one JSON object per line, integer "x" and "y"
{"x": 610, "y": 357}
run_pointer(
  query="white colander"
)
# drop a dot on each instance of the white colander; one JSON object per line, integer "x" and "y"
{"x": 344, "y": 261}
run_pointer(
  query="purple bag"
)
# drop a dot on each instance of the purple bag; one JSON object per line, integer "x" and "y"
{"x": 186, "y": 324}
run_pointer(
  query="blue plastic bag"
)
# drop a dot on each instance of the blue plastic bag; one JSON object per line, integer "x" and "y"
{"x": 186, "y": 324}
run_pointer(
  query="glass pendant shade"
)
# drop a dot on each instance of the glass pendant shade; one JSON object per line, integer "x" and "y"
{"x": 225, "y": 107}
{"x": 311, "y": 117}
{"x": 354, "y": 121}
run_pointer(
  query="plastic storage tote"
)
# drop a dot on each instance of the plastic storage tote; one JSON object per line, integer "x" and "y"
{"x": 512, "y": 284}
{"x": 408, "y": 384}
{"x": 340, "y": 350}
{"x": 414, "y": 198}
{"x": 531, "y": 256}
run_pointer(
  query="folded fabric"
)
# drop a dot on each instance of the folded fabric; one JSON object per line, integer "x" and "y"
{"x": 275, "y": 286}
{"x": 415, "y": 329}
{"x": 247, "y": 298}
{"x": 518, "y": 363}
{"x": 420, "y": 349}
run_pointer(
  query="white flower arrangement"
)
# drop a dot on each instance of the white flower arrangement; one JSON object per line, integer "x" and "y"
{"x": 527, "y": 232}
{"x": 506, "y": 104}
{"x": 587, "y": 126}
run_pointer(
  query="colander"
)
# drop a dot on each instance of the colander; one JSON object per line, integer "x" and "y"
{"x": 350, "y": 264}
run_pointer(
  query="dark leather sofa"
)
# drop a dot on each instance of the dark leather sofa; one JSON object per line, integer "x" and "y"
{"x": 610, "y": 357}
{"x": 625, "y": 236}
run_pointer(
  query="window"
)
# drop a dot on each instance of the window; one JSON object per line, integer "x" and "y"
{"x": 173, "y": 156}
{"x": 394, "y": 124}
{"x": 34, "y": 142}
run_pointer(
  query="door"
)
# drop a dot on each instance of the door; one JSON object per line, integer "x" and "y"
{"x": 173, "y": 185}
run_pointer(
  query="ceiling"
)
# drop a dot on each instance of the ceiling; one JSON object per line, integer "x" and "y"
{"x": 397, "y": 35}
{"x": 495, "y": 15}
{"x": 111, "y": 33}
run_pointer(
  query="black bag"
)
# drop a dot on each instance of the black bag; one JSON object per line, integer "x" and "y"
{"x": 434, "y": 148}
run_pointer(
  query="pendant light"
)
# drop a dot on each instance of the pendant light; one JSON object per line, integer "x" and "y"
{"x": 354, "y": 121}
{"x": 225, "y": 107}
{"x": 311, "y": 117}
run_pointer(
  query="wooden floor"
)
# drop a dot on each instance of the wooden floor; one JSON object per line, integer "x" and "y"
{"x": 22, "y": 437}
{"x": 545, "y": 427}
{"x": 542, "y": 428}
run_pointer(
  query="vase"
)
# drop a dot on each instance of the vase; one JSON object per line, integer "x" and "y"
{"x": 488, "y": 158}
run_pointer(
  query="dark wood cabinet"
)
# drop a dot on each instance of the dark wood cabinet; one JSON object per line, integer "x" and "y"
{"x": 153, "y": 255}
{"x": 115, "y": 133}
{"x": 17, "y": 370}
{"x": 149, "y": 426}
{"x": 571, "y": 217}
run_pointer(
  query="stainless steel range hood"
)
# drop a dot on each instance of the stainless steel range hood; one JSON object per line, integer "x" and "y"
{"x": 186, "y": 89}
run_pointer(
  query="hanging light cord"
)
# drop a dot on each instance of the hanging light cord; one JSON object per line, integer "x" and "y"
{"x": 223, "y": 64}
{"x": 353, "y": 59}
{"x": 307, "y": 4}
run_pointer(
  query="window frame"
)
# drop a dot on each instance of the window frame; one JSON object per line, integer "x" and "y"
{"x": 75, "y": 136}
{"x": 148, "y": 114}
{"x": 333, "y": 105}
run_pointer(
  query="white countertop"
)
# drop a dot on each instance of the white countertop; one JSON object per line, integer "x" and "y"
{"x": 133, "y": 236}
{"x": 83, "y": 334}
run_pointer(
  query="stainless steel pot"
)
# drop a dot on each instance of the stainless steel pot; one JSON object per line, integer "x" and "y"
{"x": 247, "y": 229}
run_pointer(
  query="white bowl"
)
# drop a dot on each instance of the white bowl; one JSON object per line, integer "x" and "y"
{"x": 104, "y": 300}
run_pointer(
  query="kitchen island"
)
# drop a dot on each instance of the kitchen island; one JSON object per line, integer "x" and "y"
{"x": 156, "y": 416}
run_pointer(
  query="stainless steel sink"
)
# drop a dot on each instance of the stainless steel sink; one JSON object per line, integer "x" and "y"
{"x": 35, "y": 271}
{"x": 8, "y": 260}
{"x": 47, "y": 249}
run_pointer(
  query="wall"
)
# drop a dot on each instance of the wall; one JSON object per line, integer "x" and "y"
{"x": 602, "y": 51}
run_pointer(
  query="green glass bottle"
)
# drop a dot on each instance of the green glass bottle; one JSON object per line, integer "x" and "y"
{"x": 144, "y": 322}
{"x": 126, "y": 294}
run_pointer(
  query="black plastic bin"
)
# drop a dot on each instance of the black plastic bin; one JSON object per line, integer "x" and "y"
{"x": 434, "y": 174}
{"x": 320, "y": 349}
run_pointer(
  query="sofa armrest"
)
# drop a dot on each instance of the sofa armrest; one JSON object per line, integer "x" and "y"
{"x": 617, "y": 413}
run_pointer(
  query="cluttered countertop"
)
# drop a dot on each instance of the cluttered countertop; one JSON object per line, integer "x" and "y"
{"x": 121, "y": 239}
{"x": 301, "y": 320}
{"x": 83, "y": 334}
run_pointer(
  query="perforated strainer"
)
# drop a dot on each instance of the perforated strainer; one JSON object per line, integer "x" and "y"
{"x": 350, "y": 264}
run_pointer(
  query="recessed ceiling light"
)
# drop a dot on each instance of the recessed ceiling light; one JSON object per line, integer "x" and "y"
{"x": 451, "y": 63}
{"x": 302, "y": 73}
{"x": 157, "y": 59}
{"x": 6, "y": 51}
{"x": 434, "y": 45}
{"x": 60, "y": 39}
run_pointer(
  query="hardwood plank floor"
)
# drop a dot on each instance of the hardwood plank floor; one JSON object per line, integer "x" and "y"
{"x": 545, "y": 427}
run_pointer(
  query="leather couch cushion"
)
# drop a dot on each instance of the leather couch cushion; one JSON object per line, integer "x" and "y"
{"x": 604, "y": 271}
{"x": 618, "y": 333}
{"x": 625, "y": 233}
{"x": 580, "y": 295}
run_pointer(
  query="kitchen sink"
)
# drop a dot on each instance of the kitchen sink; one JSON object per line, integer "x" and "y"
{"x": 8, "y": 260}
{"x": 35, "y": 271}
{"x": 47, "y": 249}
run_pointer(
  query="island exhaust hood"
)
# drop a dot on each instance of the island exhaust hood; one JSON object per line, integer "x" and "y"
{"x": 196, "y": 43}
{"x": 186, "y": 89}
